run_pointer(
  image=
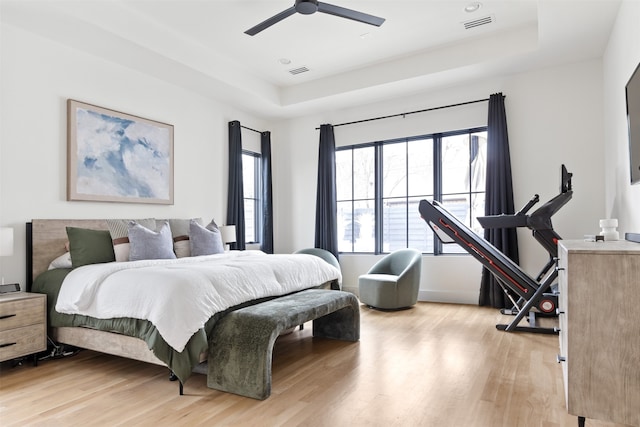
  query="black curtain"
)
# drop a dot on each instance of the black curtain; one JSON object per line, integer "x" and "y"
{"x": 267, "y": 200}
{"x": 326, "y": 207}
{"x": 235, "y": 196}
{"x": 499, "y": 199}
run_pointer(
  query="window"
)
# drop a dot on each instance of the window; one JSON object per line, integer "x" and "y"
{"x": 252, "y": 188}
{"x": 379, "y": 186}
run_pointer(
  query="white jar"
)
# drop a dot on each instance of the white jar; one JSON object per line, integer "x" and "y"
{"x": 609, "y": 230}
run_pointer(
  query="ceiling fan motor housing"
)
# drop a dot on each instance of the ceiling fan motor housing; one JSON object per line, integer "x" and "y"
{"x": 306, "y": 7}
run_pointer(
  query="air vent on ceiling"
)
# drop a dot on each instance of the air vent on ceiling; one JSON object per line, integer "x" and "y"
{"x": 299, "y": 70}
{"x": 478, "y": 22}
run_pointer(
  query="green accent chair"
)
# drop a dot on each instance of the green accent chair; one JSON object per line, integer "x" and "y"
{"x": 325, "y": 255}
{"x": 393, "y": 282}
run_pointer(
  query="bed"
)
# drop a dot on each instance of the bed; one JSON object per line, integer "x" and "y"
{"x": 139, "y": 338}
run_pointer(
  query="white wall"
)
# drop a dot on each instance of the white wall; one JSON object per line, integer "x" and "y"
{"x": 620, "y": 60}
{"x": 554, "y": 117}
{"x": 37, "y": 78}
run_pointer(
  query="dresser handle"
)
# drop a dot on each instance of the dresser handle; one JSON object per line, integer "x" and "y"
{"x": 6, "y": 316}
{"x": 561, "y": 358}
{"x": 9, "y": 344}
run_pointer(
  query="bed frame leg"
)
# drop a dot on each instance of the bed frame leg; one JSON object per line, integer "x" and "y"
{"x": 174, "y": 377}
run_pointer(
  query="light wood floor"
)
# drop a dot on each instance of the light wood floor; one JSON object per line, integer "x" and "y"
{"x": 432, "y": 365}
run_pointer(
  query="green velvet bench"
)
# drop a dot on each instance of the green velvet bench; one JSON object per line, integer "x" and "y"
{"x": 241, "y": 345}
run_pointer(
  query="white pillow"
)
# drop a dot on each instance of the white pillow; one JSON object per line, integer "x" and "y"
{"x": 122, "y": 251}
{"x": 182, "y": 247}
{"x": 63, "y": 261}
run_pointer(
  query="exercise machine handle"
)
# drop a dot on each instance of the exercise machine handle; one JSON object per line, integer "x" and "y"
{"x": 535, "y": 199}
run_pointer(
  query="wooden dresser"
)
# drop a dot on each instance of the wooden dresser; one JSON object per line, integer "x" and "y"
{"x": 23, "y": 324}
{"x": 599, "y": 301}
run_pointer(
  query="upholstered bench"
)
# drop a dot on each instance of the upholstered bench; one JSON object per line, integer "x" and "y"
{"x": 241, "y": 345}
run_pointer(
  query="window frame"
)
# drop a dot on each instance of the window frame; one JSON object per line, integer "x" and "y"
{"x": 257, "y": 199}
{"x": 379, "y": 197}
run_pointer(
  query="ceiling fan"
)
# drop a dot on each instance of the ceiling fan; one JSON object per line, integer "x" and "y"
{"x": 307, "y": 7}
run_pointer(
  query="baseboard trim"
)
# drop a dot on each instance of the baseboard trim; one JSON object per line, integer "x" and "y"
{"x": 453, "y": 297}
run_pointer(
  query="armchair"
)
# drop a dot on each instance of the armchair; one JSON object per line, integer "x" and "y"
{"x": 325, "y": 255}
{"x": 393, "y": 282}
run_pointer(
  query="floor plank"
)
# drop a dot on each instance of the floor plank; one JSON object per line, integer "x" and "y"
{"x": 432, "y": 365}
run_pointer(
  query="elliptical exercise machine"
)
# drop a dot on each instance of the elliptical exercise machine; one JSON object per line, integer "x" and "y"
{"x": 533, "y": 295}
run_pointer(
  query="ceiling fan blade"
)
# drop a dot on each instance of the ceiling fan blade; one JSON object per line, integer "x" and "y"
{"x": 269, "y": 22}
{"x": 349, "y": 14}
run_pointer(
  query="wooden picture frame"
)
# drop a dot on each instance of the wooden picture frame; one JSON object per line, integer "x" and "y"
{"x": 117, "y": 157}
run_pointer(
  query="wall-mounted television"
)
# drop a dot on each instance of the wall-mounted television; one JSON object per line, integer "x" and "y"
{"x": 633, "y": 121}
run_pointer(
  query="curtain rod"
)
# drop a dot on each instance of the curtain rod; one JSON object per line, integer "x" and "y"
{"x": 410, "y": 112}
{"x": 247, "y": 128}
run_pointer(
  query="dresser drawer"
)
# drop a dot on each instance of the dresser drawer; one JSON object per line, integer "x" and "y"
{"x": 23, "y": 312}
{"x": 22, "y": 341}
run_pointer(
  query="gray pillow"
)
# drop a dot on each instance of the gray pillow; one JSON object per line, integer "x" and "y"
{"x": 205, "y": 240}
{"x": 180, "y": 233}
{"x": 149, "y": 244}
{"x": 180, "y": 227}
{"x": 119, "y": 230}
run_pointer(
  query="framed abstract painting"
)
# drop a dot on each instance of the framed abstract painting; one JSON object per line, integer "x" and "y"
{"x": 117, "y": 157}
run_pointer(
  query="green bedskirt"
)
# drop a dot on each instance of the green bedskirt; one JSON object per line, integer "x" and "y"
{"x": 181, "y": 363}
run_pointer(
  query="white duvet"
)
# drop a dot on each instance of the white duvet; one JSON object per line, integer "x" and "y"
{"x": 178, "y": 296}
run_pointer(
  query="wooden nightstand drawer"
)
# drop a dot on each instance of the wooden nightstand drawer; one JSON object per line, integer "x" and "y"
{"x": 23, "y": 312}
{"x": 23, "y": 324}
{"x": 21, "y": 341}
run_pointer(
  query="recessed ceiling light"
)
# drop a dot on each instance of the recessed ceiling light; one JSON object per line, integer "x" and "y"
{"x": 284, "y": 61}
{"x": 472, "y": 7}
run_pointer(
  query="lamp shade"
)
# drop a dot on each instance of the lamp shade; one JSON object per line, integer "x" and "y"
{"x": 228, "y": 233}
{"x": 6, "y": 241}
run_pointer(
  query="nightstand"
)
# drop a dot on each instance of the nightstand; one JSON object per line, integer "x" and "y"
{"x": 23, "y": 324}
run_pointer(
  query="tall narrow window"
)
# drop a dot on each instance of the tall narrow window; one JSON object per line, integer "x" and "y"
{"x": 252, "y": 203}
{"x": 355, "y": 179}
{"x": 379, "y": 186}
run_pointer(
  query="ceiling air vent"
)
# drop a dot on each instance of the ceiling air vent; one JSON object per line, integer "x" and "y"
{"x": 299, "y": 70}
{"x": 478, "y": 22}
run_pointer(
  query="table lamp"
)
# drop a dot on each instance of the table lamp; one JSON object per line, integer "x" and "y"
{"x": 6, "y": 249}
{"x": 228, "y": 235}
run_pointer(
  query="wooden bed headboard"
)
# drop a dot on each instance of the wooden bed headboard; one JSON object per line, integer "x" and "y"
{"x": 46, "y": 240}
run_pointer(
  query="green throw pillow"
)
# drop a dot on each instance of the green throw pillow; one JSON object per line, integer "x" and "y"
{"x": 89, "y": 246}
